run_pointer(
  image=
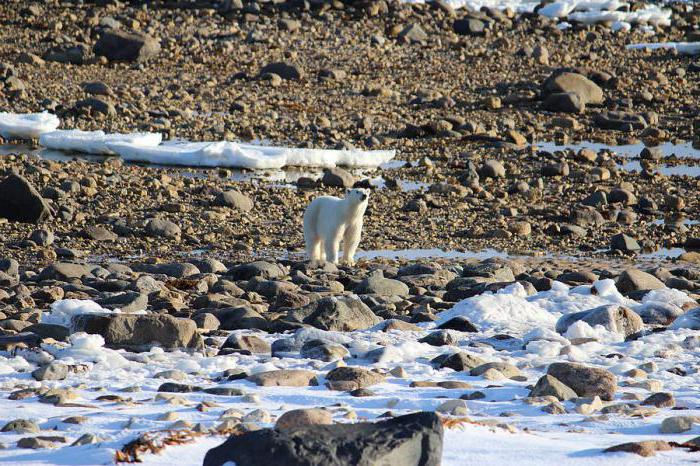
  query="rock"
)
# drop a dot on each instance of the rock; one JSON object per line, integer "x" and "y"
{"x": 414, "y": 33}
{"x": 619, "y": 121}
{"x": 129, "y": 301}
{"x": 659, "y": 314}
{"x": 249, "y": 343}
{"x": 338, "y": 314}
{"x": 97, "y": 105}
{"x": 172, "y": 269}
{"x": 677, "y": 424}
{"x": 614, "y": 317}
{"x": 459, "y": 323}
{"x": 284, "y": 378}
{"x": 556, "y": 169}
{"x": 21, "y": 426}
{"x": 690, "y": 319}
{"x": 140, "y": 332}
{"x": 622, "y": 242}
{"x": 42, "y": 237}
{"x": 492, "y": 169}
{"x": 567, "y": 102}
{"x": 642, "y": 448}
{"x": 325, "y": 351}
{"x": 75, "y": 54}
{"x": 162, "y": 228}
{"x": 414, "y": 439}
{"x": 87, "y": 439}
{"x": 623, "y": 196}
{"x": 20, "y": 202}
{"x": 34, "y": 443}
{"x": 287, "y": 71}
{"x": 302, "y": 418}
{"x": 351, "y": 378}
{"x": 660, "y": 400}
{"x": 235, "y": 200}
{"x": 551, "y": 386}
{"x": 51, "y": 371}
{"x": 453, "y": 408}
{"x": 261, "y": 269}
{"x": 124, "y": 46}
{"x": 377, "y": 284}
{"x": 64, "y": 271}
{"x": 507, "y": 370}
{"x": 172, "y": 387}
{"x": 584, "y": 380}
{"x": 469, "y": 26}
{"x": 461, "y": 361}
{"x": 565, "y": 82}
{"x": 337, "y": 177}
{"x": 439, "y": 338}
{"x": 206, "y": 321}
{"x": 635, "y": 280}
{"x": 99, "y": 233}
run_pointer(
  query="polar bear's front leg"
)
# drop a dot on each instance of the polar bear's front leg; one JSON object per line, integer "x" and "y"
{"x": 331, "y": 246}
{"x": 351, "y": 240}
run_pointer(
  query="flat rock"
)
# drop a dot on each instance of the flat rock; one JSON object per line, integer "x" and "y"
{"x": 414, "y": 439}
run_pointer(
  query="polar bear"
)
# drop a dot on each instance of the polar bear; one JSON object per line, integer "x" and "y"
{"x": 329, "y": 220}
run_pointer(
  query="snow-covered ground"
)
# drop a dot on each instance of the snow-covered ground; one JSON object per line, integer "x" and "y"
{"x": 506, "y": 431}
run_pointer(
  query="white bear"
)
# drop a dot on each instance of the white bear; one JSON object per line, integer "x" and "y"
{"x": 329, "y": 220}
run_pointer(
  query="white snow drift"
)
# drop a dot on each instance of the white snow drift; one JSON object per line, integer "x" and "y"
{"x": 95, "y": 142}
{"x": 684, "y": 48}
{"x": 27, "y": 125}
{"x": 238, "y": 155}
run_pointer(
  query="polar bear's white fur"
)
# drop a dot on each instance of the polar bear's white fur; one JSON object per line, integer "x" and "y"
{"x": 329, "y": 220}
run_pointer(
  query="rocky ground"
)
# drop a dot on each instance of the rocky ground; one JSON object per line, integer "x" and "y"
{"x": 208, "y": 264}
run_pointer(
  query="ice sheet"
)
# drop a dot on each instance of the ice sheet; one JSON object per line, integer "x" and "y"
{"x": 95, "y": 142}
{"x": 596, "y": 11}
{"x": 238, "y": 155}
{"x": 685, "y": 48}
{"x": 27, "y": 125}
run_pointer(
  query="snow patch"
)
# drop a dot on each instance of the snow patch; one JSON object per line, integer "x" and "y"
{"x": 63, "y": 311}
{"x": 507, "y": 310}
{"x": 684, "y": 48}
{"x": 27, "y": 125}
{"x": 95, "y": 142}
{"x": 251, "y": 156}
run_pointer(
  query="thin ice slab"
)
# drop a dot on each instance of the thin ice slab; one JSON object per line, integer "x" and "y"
{"x": 27, "y": 125}
{"x": 95, "y": 142}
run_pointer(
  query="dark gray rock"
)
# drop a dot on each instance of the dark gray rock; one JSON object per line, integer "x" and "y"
{"x": 613, "y": 317}
{"x": 624, "y": 243}
{"x": 20, "y": 202}
{"x": 469, "y": 27}
{"x": 414, "y": 439}
{"x": 286, "y": 71}
{"x": 338, "y": 177}
{"x": 124, "y": 46}
{"x": 340, "y": 314}
{"x": 584, "y": 380}
{"x": 235, "y": 200}
{"x": 162, "y": 228}
{"x": 140, "y": 332}
{"x": 262, "y": 269}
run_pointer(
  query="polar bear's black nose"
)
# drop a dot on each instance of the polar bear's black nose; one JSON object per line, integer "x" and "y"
{"x": 364, "y": 196}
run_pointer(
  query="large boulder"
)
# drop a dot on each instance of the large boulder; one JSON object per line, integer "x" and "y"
{"x": 20, "y": 202}
{"x": 635, "y": 280}
{"x": 414, "y": 439}
{"x": 140, "y": 332}
{"x": 338, "y": 314}
{"x": 615, "y": 318}
{"x": 584, "y": 380}
{"x": 235, "y": 200}
{"x": 566, "y": 82}
{"x": 64, "y": 271}
{"x": 377, "y": 284}
{"x": 124, "y": 46}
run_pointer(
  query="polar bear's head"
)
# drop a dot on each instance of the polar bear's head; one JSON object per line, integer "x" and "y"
{"x": 357, "y": 195}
